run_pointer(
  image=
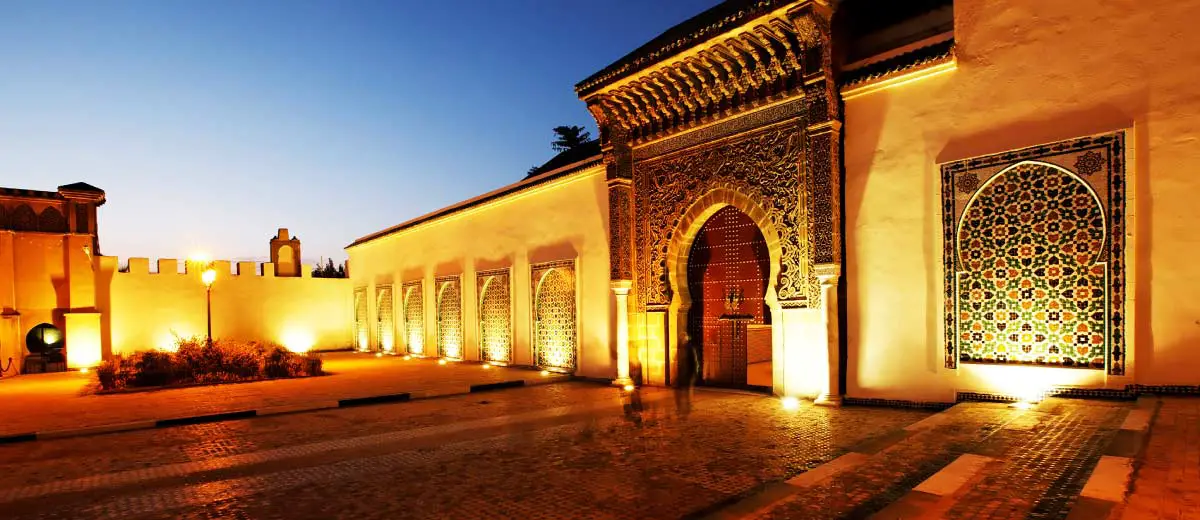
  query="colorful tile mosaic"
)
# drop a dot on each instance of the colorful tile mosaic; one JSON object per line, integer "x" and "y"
{"x": 1034, "y": 256}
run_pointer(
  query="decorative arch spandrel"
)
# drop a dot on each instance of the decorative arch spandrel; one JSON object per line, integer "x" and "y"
{"x": 765, "y": 166}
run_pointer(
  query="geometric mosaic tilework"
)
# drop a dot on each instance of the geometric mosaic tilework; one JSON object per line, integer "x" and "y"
{"x": 495, "y": 318}
{"x": 1034, "y": 243}
{"x": 449, "y": 318}
{"x": 414, "y": 318}
{"x": 554, "y": 315}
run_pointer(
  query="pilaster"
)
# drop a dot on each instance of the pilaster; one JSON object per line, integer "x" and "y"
{"x": 620, "y": 290}
{"x": 828, "y": 275}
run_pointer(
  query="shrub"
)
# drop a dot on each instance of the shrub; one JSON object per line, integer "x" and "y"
{"x": 111, "y": 375}
{"x": 281, "y": 362}
{"x": 152, "y": 368}
{"x": 190, "y": 358}
{"x": 313, "y": 364}
{"x": 196, "y": 361}
{"x": 238, "y": 360}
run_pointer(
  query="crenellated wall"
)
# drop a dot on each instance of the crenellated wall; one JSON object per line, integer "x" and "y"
{"x": 143, "y": 309}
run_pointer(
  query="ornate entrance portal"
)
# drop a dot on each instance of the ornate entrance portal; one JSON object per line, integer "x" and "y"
{"x": 738, "y": 106}
{"x": 727, "y": 273}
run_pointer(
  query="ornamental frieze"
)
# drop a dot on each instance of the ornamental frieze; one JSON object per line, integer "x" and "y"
{"x": 764, "y": 165}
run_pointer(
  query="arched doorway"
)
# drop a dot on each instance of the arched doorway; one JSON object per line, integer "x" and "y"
{"x": 449, "y": 319}
{"x": 554, "y": 315}
{"x": 728, "y": 320}
{"x": 495, "y": 330}
{"x": 414, "y": 318}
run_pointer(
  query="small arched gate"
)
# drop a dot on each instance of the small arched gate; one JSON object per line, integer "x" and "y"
{"x": 554, "y": 316}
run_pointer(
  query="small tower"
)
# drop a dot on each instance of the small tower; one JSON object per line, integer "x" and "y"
{"x": 285, "y": 254}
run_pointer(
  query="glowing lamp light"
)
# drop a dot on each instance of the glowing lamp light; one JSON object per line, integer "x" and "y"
{"x": 298, "y": 341}
{"x": 486, "y": 366}
{"x": 51, "y": 336}
{"x": 790, "y": 403}
{"x": 628, "y": 388}
{"x": 545, "y": 372}
{"x": 379, "y": 354}
{"x": 209, "y": 276}
{"x": 1023, "y": 405}
{"x": 83, "y": 370}
{"x": 407, "y": 357}
{"x": 441, "y": 361}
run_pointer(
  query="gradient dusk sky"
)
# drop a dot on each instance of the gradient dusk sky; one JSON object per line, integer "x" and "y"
{"x": 212, "y": 123}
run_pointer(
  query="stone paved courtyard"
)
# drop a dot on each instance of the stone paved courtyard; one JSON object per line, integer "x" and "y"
{"x": 48, "y": 402}
{"x": 581, "y": 450}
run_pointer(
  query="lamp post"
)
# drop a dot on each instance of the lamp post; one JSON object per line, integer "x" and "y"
{"x": 208, "y": 277}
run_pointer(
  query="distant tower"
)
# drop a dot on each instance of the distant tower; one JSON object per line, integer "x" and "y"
{"x": 285, "y": 254}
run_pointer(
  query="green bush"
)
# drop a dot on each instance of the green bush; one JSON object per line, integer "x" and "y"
{"x": 196, "y": 361}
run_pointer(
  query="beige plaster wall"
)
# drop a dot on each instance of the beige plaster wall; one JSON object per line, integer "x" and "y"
{"x": 1029, "y": 72}
{"x": 563, "y": 219}
{"x": 43, "y": 277}
{"x": 147, "y": 310}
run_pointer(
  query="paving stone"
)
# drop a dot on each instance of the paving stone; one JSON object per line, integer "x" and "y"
{"x": 67, "y": 400}
{"x": 579, "y": 450}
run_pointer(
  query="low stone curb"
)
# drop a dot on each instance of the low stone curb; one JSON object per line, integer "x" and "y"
{"x": 274, "y": 410}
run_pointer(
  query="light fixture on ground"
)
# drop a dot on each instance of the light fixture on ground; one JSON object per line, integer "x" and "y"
{"x": 545, "y": 372}
{"x": 407, "y": 357}
{"x": 628, "y": 388}
{"x": 790, "y": 403}
{"x": 441, "y": 361}
{"x": 486, "y": 366}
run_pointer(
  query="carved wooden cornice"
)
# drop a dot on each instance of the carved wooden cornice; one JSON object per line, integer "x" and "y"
{"x": 753, "y": 61}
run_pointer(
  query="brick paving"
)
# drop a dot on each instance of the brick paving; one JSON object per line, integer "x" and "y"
{"x": 604, "y": 460}
{"x": 47, "y": 402}
{"x": 1041, "y": 466}
{"x": 1167, "y": 476}
{"x": 580, "y": 450}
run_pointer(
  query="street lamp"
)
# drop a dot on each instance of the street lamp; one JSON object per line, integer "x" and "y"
{"x": 208, "y": 277}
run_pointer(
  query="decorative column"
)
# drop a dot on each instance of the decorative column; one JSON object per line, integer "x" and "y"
{"x": 620, "y": 290}
{"x": 823, "y": 171}
{"x": 618, "y": 163}
{"x": 828, "y": 275}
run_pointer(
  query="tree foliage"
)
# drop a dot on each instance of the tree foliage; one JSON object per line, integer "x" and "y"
{"x": 329, "y": 270}
{"x": 569, "y": 137}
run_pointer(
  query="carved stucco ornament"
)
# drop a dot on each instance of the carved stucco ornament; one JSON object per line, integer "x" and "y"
{"x": 764, "y": 165}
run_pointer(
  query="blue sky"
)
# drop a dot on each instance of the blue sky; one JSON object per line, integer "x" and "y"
{"x": 212, "y": 123}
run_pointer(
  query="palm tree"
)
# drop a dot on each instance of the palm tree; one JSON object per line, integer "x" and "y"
{"x": 569, "y": 137}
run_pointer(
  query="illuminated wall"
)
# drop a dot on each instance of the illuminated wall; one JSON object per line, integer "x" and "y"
{"x": 414, "y": 318}
{"x": 449, "y": 318}
{"x": 495, "y": 316}
{"x": 362, "y": 334}
{"x": 1028, "y": 73}
{"x": 48, "y": 278}
{"x": 385, "y": 319}
{"x": 561, "y": 219}
{"x": 554, "y": 316}
{"x": 147, "y": 310}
